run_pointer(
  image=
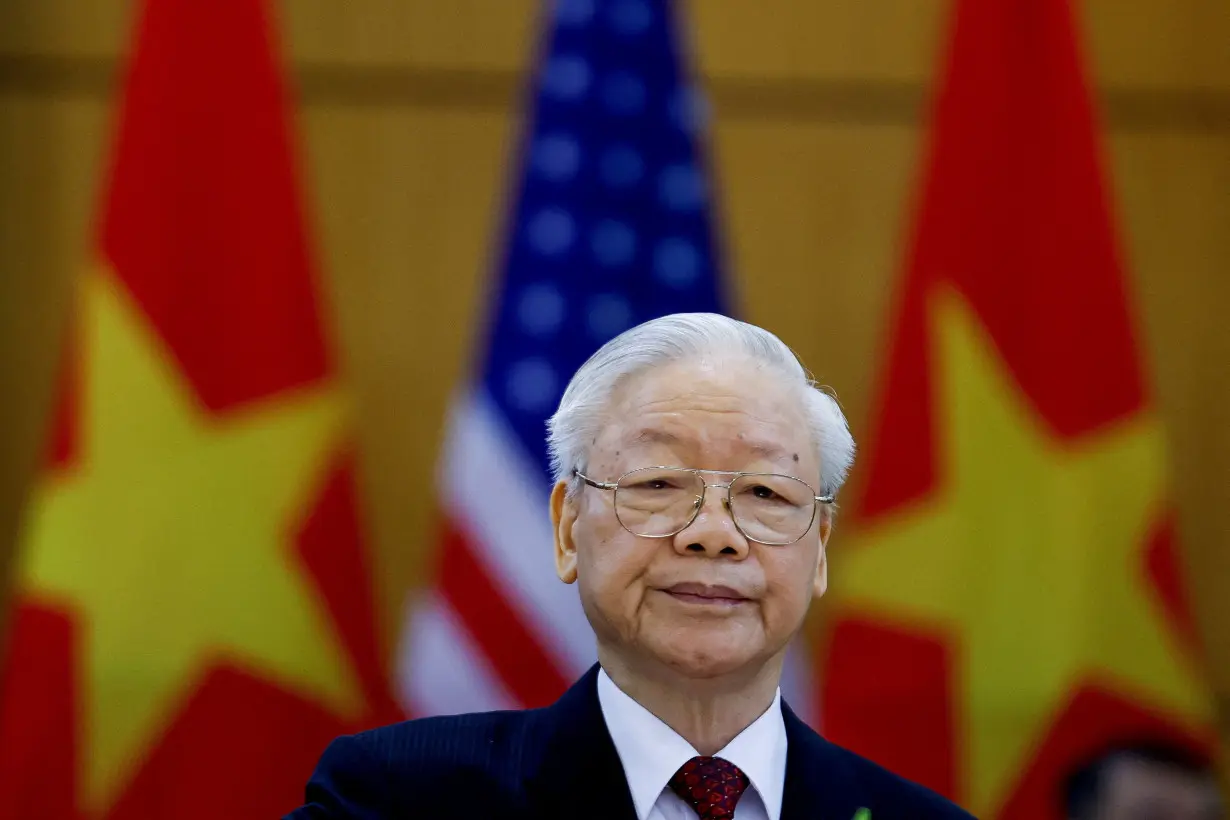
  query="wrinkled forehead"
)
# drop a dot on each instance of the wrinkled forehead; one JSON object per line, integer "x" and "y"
{"x": 722, "y": 415}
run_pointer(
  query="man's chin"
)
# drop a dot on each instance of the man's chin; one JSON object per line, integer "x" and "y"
{"x": 705, "y": 660}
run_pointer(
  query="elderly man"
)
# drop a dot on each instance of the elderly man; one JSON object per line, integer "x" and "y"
{"x": 696, "y": 466}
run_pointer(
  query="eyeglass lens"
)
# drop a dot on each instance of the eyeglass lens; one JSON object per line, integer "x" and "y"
{"x": 772, "y": 509}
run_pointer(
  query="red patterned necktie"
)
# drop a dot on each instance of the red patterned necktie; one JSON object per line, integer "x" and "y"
{"x": 710, "y": 785}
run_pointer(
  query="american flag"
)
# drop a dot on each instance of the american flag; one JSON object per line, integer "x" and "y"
{"x": 610, "y": 226}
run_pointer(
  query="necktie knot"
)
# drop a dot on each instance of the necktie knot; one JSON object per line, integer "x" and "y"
{"x": 710, "y": 785}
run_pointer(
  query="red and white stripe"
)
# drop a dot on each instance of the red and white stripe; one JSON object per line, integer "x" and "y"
{"x": 498, "y": 630}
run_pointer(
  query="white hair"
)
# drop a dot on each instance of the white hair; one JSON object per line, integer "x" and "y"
{"x": 582, "y": 409}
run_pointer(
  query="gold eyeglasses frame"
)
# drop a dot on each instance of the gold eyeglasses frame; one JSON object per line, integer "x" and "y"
{"x": 699, "y": 504}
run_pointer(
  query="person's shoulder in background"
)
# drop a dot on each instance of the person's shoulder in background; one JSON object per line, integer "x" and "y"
{"x": 434, "y": 767}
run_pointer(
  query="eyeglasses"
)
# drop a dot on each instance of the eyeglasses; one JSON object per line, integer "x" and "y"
{"x": 658, "y": 502}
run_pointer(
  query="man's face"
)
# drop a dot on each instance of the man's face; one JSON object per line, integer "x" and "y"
{"x": 1134, "y": 789}
{"x": 651, "y": 599}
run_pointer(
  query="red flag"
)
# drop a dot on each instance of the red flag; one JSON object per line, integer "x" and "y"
{"x": 195, "y": 616}
{"x": 1011, "y": 602}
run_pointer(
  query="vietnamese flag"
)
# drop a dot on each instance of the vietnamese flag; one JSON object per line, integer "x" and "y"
{"x": 194, "y": 617}
{"x": 1012, "y": 600}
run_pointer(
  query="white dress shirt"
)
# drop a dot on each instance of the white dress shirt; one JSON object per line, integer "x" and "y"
{"x": 651, "y": 753}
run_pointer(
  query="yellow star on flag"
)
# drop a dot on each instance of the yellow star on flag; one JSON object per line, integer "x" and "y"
{"x": 1028, "y": 555}
{"x": 172, "y": 536}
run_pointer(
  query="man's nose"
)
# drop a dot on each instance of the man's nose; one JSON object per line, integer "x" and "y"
{"x": 713, "y": 531}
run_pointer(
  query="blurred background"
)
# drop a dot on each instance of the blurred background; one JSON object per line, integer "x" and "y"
{"x": 390, "y": 153}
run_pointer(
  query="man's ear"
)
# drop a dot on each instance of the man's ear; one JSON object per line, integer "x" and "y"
{"x": 822, "y": 566}
{"x": 563, "y": 516}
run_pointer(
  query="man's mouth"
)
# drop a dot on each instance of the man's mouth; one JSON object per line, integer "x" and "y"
{"x": 705, "y": 594}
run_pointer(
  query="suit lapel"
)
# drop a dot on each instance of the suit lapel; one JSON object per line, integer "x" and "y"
{"x": 579, "y": 773}
{"x": 819, "y": 783}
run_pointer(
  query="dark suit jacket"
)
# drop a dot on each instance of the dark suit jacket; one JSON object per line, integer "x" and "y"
{"x": 559, "y": 762}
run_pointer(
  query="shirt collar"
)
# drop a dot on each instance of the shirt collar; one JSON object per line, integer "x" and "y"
{"x": 651, "y": 752}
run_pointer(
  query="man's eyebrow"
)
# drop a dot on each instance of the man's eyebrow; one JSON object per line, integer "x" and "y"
{"x": 650, "y": 435}
{"x": 762, "y": 449}
{"x": 770, "y": 452}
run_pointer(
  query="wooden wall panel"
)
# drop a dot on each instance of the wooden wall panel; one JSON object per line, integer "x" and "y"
{"x": 1176, "y": 44}
{"x": 1174, "y": 205}
{"x": 1159, "y": 44}
{"x": 49, "y": 152}
{"x": 814, "y": 214}
{"x": 407, "y": 202}
{"x": 890, "y": 40}
{"x": 466, "y": 35}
